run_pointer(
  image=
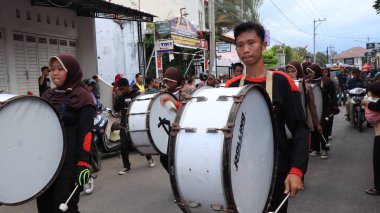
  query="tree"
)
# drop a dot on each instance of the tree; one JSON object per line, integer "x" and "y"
{"x": 228, "y": 13}
{"x": 270, "y": 58}
{"x": 321, "y": 59}
{"x": 298, "y": 53}
{"x": 376, "y": 5}
{"x": 286, "y": 49}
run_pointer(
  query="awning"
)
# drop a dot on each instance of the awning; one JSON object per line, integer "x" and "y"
{"x": 366, "y": 67}
{"x": 98, "y": 9}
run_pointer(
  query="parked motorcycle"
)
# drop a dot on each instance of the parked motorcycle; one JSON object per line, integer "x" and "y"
{"x": 101, "y": 144}
{"x": 356, "y": 114}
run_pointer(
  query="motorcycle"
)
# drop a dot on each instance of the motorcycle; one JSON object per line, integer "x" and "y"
{"x": 101, "y": 144}
{"x": 356, "y": 114}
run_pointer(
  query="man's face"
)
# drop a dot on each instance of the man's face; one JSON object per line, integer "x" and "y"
{"x": 355, "y": 74}
{"x": 88, "y": 88}
{"x": 124, "y": 89}
{"x": 250, "y": 47}
{"x": 238, "y": 71}
{"x": 46, "y": 72}
{"x": 171, "y": 84}
{"x": 139, "y": 79}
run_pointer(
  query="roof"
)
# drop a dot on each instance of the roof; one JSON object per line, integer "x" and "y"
{"x": 355, "y": 52}
{"x": 98, "y": 9}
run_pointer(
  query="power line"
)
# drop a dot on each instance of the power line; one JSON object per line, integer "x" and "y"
{"x": 288, "y": 18}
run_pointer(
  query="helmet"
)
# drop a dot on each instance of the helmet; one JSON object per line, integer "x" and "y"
{"x": 203, "y": 76}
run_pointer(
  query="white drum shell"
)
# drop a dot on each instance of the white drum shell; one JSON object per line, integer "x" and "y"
{"x": 199, "y": 157}
{"x": 32, "y": 147}
{"x": 144, "y": 114}
{"x": 299, "y": 84}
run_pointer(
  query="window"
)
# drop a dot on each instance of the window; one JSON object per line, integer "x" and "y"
{"x": 39, "y": 17}
{"x": 72, "y": 43}
{"x": 42, "y": 40}
{"x": 57, "y": 21}
{"x": 18, "y": 37}
{"x": 63, "y": 43}
{"x": 53, "y": 41}
{"x": 65, "y": 22}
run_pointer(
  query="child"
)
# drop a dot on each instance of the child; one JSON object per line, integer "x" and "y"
{"x": 372, "y": 114}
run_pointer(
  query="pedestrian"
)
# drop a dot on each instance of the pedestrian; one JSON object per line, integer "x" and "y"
{"x": 211, "y": 81}
{"x": 152, "y": 86}
{"x": 115, "y": 89}
{"x": 44, "y": 81}
{"x": 124, "y": 96}
{"x": 139, "y": 83}
{"x": 77, "y": 110}
{"x": 372, "y": 113}
{"x": 237, "y": 69}
{"x": 96, "y": 87}
{"x": 292, "y": 157}
{"x": 189, "y": 86}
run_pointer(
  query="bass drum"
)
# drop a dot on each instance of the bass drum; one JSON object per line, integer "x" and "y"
{"x": 301, "y": 85}
{"x": 32, "y": 147}
{"x": 317, "y": 91}
{"x": 149, "y": 123}
{"x": 222, "y": 153}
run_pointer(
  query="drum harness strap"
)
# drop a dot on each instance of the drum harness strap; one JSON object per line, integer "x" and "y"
{"x": 268, "y": 83}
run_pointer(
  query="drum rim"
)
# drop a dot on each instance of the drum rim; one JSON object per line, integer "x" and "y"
{"x": 16, "y": 98}
{"x": 226, "y": 178}
{"x": 146, "y": 123}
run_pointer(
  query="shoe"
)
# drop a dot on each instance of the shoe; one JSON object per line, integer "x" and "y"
{"x": 151, "y": 162}
{"x": 327, "y": 145}
{"x": 372, "y": 191}
{"x": 314, "y": 153}
{"x": 89, "y": 187}
{"x": 124, "y": 171}
{"x": 324, "y": 155}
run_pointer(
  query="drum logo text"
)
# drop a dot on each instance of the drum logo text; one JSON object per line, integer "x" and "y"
{"x": 240, "y": 141}
{"x": 165, "y": 124}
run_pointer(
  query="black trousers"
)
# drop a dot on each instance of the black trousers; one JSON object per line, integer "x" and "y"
{"x": 330, "y": 123}
{"x": 376, "y": 162}
{"x": 59, "y": 192}
{"x": 278, "y": 194}
{"x": 317, "y": 142}
{"x": 124, "y": 148}
{"x": 164, "y": 159}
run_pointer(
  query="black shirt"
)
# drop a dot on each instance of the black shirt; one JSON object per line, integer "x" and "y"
{"x": 122, "y": 103}
{"x": 45, "y": 86}
{"x": 287, "y": 110}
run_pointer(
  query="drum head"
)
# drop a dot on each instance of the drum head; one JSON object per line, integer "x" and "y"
{"x": 160, "y": 122}
{"x": 252, "y": 153}
{"x": 318, "y": 99}
{"x": 31, "y": 148}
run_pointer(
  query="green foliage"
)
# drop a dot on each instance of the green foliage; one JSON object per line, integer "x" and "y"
{"x": 321, "y": 58}
{"x": 376, "y": 5}
{"x": 286, "y": 49}
{"x": 270, "y": 58}
{"x": 298, "y": 54}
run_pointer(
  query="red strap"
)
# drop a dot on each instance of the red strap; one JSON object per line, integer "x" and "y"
{"x": 296, "y": 171}
{"x": 293, "y": 85}
{"x": 87, "y": 142}
{"x": 232, "y": 80}
{"x": 178, "y": 104}
{"x": 82, "y": 163}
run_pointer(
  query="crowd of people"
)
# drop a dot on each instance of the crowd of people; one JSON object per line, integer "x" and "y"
{"x": 292, "y": 96}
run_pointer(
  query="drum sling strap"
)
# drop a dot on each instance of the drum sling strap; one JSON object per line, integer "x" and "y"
{"x": 268, "y": 83}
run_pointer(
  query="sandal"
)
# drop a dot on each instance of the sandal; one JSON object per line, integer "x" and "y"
{"x": 372, "y": 191}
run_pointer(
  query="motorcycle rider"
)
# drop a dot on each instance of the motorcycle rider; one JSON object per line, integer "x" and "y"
{"x": 355, "y": 82}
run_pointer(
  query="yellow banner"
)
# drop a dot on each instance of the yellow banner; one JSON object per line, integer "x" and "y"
{"x": 186, "y": 41}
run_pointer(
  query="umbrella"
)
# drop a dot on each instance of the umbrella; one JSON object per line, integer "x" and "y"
{"x": 366, "y": 67}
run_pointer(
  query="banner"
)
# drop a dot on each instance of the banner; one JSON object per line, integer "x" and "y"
{"x": 165, "y": 45}
{"x": 162, "y": 30}
{"x": 183, "y": 27}
{"x": 187, "y": 42}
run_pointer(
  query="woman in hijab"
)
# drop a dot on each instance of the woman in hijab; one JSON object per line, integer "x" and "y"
{"x": 77, "y": 110}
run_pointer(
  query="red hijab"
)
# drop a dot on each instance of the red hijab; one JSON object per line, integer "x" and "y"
{"x": 71, "y": 91}
{"x": 117, "y": 77}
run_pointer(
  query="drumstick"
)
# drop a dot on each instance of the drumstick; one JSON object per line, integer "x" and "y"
{"x": 328, "y": 117}
{"x": 63, "y": 207}
{"x": 282, "y": 203}
{"x": 324, "y": 139}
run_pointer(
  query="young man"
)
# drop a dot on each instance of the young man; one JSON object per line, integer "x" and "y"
{"x": 139, "y": 83}
{"x": 152, "y": 86}
{"x": 43, "y": 80}
{"x": 237, "y": 69}
{"x": 124, "y": 96}
{"x": 292, "y": 157}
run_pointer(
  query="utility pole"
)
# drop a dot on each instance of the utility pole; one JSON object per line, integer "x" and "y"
{"x": 211, "y": 23}
{"x": 331, "y": 53}
{"x": 327, "y": 52}
{"x": 319, "y": 20}
{"x": 242, "y": 9}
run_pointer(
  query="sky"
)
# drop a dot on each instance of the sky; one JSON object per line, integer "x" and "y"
{"x": 348, "y": 23}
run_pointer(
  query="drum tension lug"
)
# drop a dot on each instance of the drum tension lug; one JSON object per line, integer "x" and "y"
{"x": 238, "y": 98}
{"x": 223, "y": 98}
{"x": 176, "y": 128}
{"x": 227, "y": 129}
{"x": 220, "y": 208}
{"x": 199, "y": 98}
{"x": 189, "y": 204}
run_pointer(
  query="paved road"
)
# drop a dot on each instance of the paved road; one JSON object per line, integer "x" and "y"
{"x": 333, "y": 185}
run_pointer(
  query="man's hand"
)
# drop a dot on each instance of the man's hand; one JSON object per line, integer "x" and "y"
{"x": 364, "y": 103}
{"x": 319, "y": 129}
{"x": 293, "y": 184}
{"x": 166, "y": 98}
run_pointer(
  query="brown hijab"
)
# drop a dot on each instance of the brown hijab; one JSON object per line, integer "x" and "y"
{"x": 71, "y": 91}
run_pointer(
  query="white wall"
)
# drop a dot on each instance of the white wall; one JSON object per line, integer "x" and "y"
{"x": 116, "y": 48}
{"x": 87, "y": 46}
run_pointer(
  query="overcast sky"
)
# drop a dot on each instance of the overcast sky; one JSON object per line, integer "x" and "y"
{"x": 348, "y": 23}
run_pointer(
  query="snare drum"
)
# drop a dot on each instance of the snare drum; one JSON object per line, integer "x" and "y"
{"x": 222, "y": 152}
{"x": 32, "y": 147}
{"x": 149, "y": 124}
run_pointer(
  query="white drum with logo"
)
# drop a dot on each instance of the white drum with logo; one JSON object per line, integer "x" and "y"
{"x": 222, "y": 151}
{"x": 149, "y": 123}
{"x": 32, "y": 147}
